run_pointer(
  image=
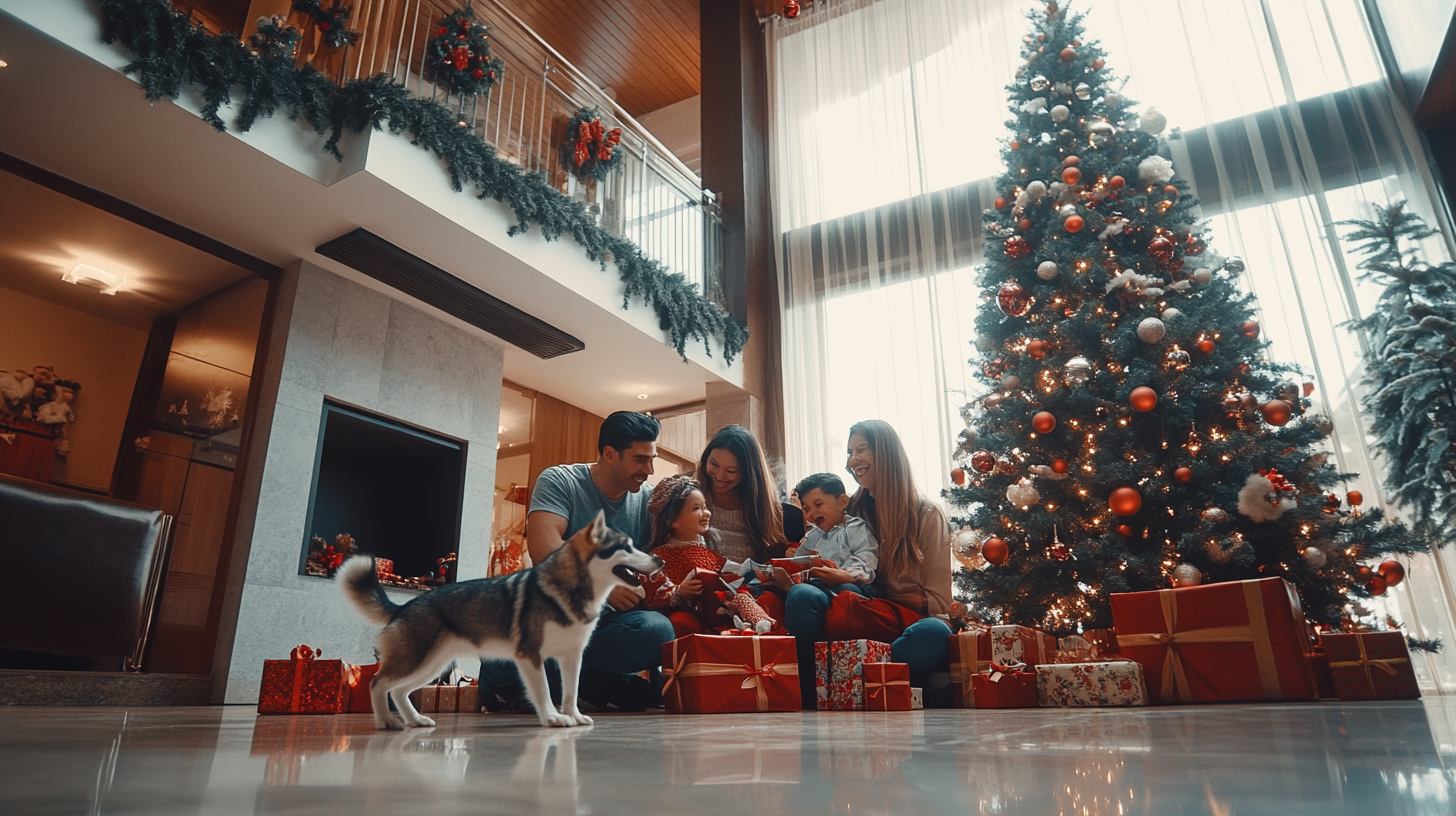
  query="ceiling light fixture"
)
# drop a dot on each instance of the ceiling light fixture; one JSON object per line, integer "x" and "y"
{"x": 4, "y": 64}
{"x": 111, "y": 283}
{"x": 641, "y": 396}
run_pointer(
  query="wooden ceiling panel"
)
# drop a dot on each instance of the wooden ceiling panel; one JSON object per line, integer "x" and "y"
{"x": 647, "y": 51}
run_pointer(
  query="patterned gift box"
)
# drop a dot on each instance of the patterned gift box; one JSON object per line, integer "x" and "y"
{"x": 887, "y": 687}
{"x": 360, "y": 679}
{"x": 973, "y": 651}
{"x": 839, "y": 672}
{"x": 1240, "y": 640}
{"x": 730, "y": 674}
{"x": 383, "y": 567}
{"x": 303, "y": 684}
{"x": 447, "y": 699}
{"x": 1370, "y": 666}
{"x": 1003, "y": 689}
{"x": 1088, "y": 685}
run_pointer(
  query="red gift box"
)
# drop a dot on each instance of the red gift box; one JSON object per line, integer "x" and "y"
{"x": 304, "y": 684}
{"x": 973, "y": 650}
{"x": 1003, "y": 689}
{"x": 1370, "y": 666}
{"x": 839, "y": 672}
{"x": 360, "y": 699}
{"x": 887, "y": 686}
{"x": 730, "y": 674}
{"x": 1241, "y": 640}
{"x": 383, "y": 567}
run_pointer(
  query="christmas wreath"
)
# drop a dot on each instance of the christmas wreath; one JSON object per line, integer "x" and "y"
{"x": 332, "y": 21}
{"x": 274, "y": 39}
{"x": 458, "y": 56}
{"x": 590, "y": 149}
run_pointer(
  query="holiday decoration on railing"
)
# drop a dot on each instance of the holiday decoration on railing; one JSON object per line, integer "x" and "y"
{"x": 168, "y": 47}
{"x": 275, "y": 39}
{"x": 1103, "y": 455}
{"x": 590, "y": 150}
{"x": 332, "y": 21}
{"x": 457, "y": 57}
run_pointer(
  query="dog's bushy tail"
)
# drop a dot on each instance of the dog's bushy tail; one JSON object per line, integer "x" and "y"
{"x": 361, "y": 587}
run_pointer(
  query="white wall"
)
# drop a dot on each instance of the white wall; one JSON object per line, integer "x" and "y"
{"x": 102, "y": 356}
{"x": 361, "y": 347}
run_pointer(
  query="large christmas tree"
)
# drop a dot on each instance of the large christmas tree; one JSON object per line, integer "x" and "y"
{"x": 1135, "y": 435}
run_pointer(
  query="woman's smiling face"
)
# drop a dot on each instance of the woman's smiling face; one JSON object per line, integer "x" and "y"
{"x": 723, "y": 474}
{"x": 861, "y": 462}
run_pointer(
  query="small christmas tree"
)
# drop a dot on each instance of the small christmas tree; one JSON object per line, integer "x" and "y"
{"x": 1411, "y": 367}
{"x": 1134, "y": 435}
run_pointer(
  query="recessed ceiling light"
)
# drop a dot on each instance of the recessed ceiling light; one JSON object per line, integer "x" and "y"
{"x": 641, "y": 396}
{"x": 502, "y": 429}
{"x": 4, "y": 64}
{"x": 111, "y": 283}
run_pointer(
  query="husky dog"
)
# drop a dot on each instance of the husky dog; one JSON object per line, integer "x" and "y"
{"x": 528, "y": 616}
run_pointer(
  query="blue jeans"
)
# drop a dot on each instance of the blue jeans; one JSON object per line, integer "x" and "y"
{"x": 924, "y": 645}
{"x": 623, "y": 644}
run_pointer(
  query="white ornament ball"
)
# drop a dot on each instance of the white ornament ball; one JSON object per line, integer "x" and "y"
{"x": 1151, "y": 330}
{"x": 1113, "y": 100}
{"x": 1010, "y": 382}
{"x": 1078, "y": 371}
{"x": 1060, "y": 113}
{"x": 1067, "y": 210}
{"x": 1036, "y": 189}
{"x": 1100, "y": 134}
{"x": 1046, "y": 270}
{"x": 1023, "y": 494}
{"x": 1155, "y": 170}
{"x": 1315, "y": 557}
{"x": 1152, "y": 122}
{"x": 1186, "y": 575}
{"x": 984, "y": 343}
{"x": 1170, "y": 314}
{"x": 1202, "y": 276}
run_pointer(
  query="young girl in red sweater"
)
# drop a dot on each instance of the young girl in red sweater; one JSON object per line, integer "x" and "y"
{"x": 680, "y": 519}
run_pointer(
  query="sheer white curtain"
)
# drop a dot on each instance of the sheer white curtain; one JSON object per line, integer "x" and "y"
{"x": 885, "y": 117}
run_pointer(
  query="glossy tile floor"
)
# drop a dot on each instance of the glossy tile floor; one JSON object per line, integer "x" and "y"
{"x": 1387, "y": 758}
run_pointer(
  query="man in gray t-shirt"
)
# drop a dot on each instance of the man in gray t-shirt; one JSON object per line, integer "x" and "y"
{"x": 565, "y": 499}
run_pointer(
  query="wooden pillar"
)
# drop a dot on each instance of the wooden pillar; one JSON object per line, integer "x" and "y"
{"x": 735, "y": 166}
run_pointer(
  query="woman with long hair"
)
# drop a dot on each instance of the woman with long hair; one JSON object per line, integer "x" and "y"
{"x": 747, "y": 513}
{"x": 914, "y": 562}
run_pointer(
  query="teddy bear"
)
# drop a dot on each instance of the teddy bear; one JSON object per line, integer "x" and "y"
{"x": 16, "y": 389}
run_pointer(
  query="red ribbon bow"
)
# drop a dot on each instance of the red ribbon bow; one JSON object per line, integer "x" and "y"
{"x": 741, "y": 632}
{"x": 593, "y": 138}
{"x": 1008, "y": 668}
{"x": 461, "y": 56}
{"x": 301, "y": 652}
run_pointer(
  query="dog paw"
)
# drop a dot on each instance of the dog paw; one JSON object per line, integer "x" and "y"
{"x": 558, "y": 721}
{"x": 582, "y": 719}
{"x": 388, "y": 724}
{"x": 422, "y": 722}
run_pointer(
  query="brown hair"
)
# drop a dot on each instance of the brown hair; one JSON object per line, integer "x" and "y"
{"x": 893, "y": 510}
{"x": 666, "y": 505}
{"x": 763, "y": 515}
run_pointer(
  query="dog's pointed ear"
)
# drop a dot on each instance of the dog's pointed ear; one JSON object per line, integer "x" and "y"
{"x": 591, "y": 539}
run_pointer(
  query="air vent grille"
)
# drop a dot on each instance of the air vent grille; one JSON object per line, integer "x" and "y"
{"x": 387, "y": 263}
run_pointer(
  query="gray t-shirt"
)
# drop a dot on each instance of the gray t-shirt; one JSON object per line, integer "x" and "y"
{"x": 568, "y": 491}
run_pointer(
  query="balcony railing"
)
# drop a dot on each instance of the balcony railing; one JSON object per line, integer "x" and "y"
{"x": 651, "y": 198}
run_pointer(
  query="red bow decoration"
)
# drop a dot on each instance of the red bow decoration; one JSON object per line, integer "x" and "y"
{"x": 742, "y": 632}
{"x": 301, "y": 652}
{"x": 753, "y": 674}
{"x": 1008, "y": 668}
{"x": 593, "y": 139}
{"x": 1281, "y": 485}
{"x": 461, "y": 56}
{"x": 331, "y": 559}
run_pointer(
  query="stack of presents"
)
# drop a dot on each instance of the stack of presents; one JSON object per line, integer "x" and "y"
{"x": 1229, "y": 642}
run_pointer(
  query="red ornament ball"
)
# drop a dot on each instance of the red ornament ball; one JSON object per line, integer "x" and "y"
{"x": 995, "y": 551}
{"x": 1017, "y": 247}
{"x": 1363, "y": 574}
{"x": 1392, "y": 572}
{"x": 1162, "y": 248}
{"x": 1098, "y": 63}
{"x": 477, "y": 74}
{"x": 1073, "y": 223}
{"x": 1071, "y": 161}
{"x": 1044, "y": 422}
{"x": 1276, "y": 412}
{"x": 1249, "y": 330}
{"x": 441, "y": 31}
{"x": 983, "y": 461}
{"x": 1060, "y": 466}
{"x": 1068, "y": 54}
{"x": 1355, "y": 498}
{"x": 1015, "y": 145}
{"x": 1193, "y": 245}
{"x": 1013, "y": 299}
{"x": 1170, "y": 190}
{"x": 1116, "y": 182}
{"x": 1183, "y": 474}
{"x": 958, "y": 476}
{"x": 1024, "y": 224}
{"x": 791, "y": 9}
{"x": 1038, "y": 349}
{"x": 1000, "y": 203}
{"x": 1059, "y": 552}
{"x": 1125, "y": 501}
{"x": 1143, "y": 399}
{"x": 1377, "y": 585}
{"x": 1123, "y": 529}
{"x": 1205, "y": 346}
{"x": 1071, "y": 175}
{"x": 1308, "y": 388}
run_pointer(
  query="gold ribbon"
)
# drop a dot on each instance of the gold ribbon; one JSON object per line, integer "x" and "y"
{"x": 753, "y": 675}
{"x": 1382, "y": 663}
{"x": 879, "y": 687}
{"x": 1256, "y": 631}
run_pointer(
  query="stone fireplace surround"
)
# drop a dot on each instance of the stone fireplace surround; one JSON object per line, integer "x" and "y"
{"x": 357, "y": 346}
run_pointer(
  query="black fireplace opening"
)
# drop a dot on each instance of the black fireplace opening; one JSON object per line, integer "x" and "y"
{"x": 384, "y": 488}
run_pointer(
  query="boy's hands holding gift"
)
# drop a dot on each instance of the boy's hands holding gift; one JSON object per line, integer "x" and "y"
{"x": 690, "y": 588}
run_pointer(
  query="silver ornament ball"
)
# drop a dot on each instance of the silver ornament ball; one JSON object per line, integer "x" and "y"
{"x": 1202, "y": 276}
{"x": 1234, "y": 265}
{"x": 1060, "y": 113}
{"x": 1113, "y": 100}
{"x": 1023, "y": 494}
{"x": 1078, "y": 371}
{"x": 1186, "y": 575}
{"x": 1170, "y": 314}
{"x": 1215, "y": 515}
{"x": 1046, "y": 270}
{"x": 1039, "y": 83}
{"x": 1151, "y": 330}
{"x": 1083, "y": 90}
{"x": 1315, "y": 557}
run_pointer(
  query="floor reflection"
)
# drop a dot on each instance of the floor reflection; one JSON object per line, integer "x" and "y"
{"x": 1390, "y": 758}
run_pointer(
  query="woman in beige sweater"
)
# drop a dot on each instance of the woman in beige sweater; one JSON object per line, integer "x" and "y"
{"x": 914, "y": 562}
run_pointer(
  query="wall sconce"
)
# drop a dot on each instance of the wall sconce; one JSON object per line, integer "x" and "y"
{"x": 111, "y": 283}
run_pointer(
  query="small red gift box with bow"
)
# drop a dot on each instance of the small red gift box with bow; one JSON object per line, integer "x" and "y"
{"x": 1003, "y": 687}
{"x": 887, "y": 687}
{"x": 733, "y": 673}
{"x": 303, "y": 684}
{"x": 1370, "y": 666}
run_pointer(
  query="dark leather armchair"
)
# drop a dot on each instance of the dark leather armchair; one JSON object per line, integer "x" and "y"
{"x": 88, "y": 571}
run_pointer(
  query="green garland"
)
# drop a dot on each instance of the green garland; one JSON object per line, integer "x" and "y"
{"x": 172, "y": 51}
